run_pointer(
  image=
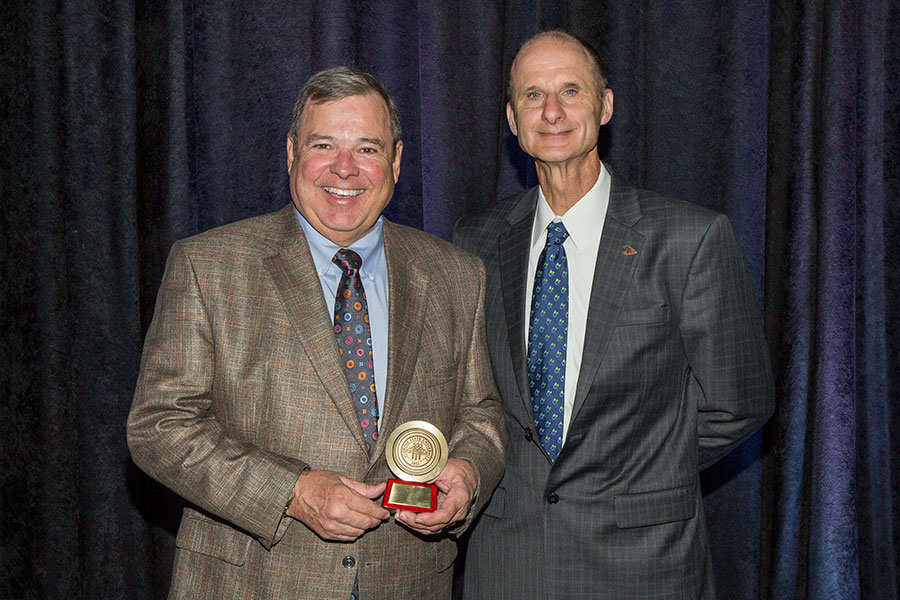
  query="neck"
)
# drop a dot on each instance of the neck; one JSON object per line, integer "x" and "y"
{"x": 564, "y": 184}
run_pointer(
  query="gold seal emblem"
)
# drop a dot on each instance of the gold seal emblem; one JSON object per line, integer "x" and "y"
{"x": 416, "y": 451}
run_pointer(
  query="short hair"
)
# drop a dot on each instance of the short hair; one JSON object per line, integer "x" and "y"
{"x": 338, "y": 83}
{"x": 563, "y": 36}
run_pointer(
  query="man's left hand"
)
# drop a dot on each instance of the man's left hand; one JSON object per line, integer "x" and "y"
{"x": 456, "y": 486}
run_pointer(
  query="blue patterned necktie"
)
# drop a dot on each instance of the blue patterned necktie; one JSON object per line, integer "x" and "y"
{"x": 549, "y": 327}
{"x": 354, "y": 338}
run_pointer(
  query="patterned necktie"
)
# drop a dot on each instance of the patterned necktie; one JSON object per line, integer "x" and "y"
{"x": 351, "y": 328}
{"x": 547, "y": 340}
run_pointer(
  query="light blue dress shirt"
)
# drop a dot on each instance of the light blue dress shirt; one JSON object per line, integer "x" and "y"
{"x": 375, "y": 281}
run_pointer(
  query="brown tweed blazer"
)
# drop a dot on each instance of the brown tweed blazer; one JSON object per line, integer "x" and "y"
{"x": 241, "y": 388}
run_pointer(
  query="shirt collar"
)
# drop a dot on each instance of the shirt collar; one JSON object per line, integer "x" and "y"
{"x": 370, "y": 247}
{"x": 583, "y": 221}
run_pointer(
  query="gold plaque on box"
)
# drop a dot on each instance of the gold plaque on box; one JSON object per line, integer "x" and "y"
{"x": 416, "y": 452}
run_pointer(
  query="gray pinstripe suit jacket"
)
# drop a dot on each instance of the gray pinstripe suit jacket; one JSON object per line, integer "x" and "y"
{"x": 241, "y": 387}
{"x": 674, "y": 375}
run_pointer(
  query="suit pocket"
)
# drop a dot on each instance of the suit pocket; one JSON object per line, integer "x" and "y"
{"x": 211, "y": 538}
{"x": 643, "y": 316}
{"x": 657, "y": 507}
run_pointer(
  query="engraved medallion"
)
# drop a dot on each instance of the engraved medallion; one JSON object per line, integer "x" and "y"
{"x": 416, "y": 452}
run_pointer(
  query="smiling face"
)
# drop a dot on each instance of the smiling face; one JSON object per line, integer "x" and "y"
{"x": 556, "y": 108}
{"x": 343, "y": 167}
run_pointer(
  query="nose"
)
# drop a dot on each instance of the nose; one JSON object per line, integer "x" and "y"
{"x": 553, "y": 110}
{"x": 344, "y": 164}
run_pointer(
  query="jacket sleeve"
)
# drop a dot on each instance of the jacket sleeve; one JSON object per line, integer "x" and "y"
{"x": 724, "y": 342}
{"x": 479, "y": 435}
{"x": 173, "y": 432}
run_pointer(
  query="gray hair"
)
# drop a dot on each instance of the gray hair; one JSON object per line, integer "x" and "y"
{"x": 563, "y": 36}
{"x": 339, "y": 83}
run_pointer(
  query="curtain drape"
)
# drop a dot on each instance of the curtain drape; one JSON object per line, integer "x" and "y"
{"x": 831, "y": 486}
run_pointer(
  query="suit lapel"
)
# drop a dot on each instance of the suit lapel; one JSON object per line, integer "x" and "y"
{"x": 514, "y": 245}
{"x": 407, "y": 286}
{"x": 294, "y": 274}
{"x": 619, "y": 252}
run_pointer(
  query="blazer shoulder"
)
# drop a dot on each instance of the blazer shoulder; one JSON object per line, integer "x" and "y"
{"x": 245, "y": 236}
{"x": 471, "y": 231}
{"x": 490, "y": 215}
{"x": 430, "y": 251}
{"x": 671, "y": 214}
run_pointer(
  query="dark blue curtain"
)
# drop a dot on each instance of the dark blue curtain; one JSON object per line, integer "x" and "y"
{"x": 127, "y": 125}
{"x": 833, "y": 202}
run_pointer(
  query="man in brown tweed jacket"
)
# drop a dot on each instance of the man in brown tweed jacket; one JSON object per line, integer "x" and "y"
{"x": 243, "y": 405}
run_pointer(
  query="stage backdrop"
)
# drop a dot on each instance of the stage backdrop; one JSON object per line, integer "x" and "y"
{"x": 127, "y": 125}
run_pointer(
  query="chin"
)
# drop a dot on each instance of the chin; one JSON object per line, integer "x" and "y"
{"x": 554, "y": 156}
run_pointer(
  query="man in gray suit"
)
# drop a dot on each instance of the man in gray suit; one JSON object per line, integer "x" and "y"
{"x": 627, "y": 346}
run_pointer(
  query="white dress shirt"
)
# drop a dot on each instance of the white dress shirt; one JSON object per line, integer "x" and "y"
{"x": 584, "y": 222}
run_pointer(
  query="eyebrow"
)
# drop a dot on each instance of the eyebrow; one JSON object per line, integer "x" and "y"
{"x": 330, "y": 138}
{"x": 375, "y": 141}
{"x": 568, "y": 84}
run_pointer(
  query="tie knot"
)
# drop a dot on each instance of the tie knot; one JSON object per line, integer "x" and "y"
{"x": 347, "y": 260}
{"x": 556, "y": 233}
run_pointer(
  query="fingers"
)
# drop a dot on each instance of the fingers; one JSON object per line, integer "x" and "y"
{"x": 335, "y": 507}
{"x": 341, "y": 509}
{"x": 457, "y": 473}
{"x": 365, "y": 489}
{"x": 451, "y": 508}
{"x": 456, "y": 484}
{"x": 360, "y": 500}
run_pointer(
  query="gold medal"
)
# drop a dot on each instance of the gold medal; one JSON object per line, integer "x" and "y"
{"x": 416, "y": 452}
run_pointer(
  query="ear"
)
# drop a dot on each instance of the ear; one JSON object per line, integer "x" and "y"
{"x": 607, "y": 107}
{"x": 511, "y": 119}
{"x": 398, "y": 150}
{"x": 290, "y": 151}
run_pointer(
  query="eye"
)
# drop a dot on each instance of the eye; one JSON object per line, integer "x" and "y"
{"x": 570, "y": 92}
{"x": 532, "y": 95}
{"x": 368, "y": 150}
{"x": 321, "y": 146}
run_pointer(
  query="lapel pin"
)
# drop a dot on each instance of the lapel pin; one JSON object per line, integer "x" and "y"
{"x": 628, "y": 250}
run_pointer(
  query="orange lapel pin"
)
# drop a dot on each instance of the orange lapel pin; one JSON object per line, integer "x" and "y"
{"x": 628, "y": 250}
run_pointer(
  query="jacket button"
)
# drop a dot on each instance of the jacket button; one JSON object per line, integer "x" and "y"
{"x": 528, "y": 434}
{"x": 348, "y": 562}
{"x": 552, "y": 498}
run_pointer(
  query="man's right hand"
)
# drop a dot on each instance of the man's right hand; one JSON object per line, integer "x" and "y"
{"x": 335, "y": 507}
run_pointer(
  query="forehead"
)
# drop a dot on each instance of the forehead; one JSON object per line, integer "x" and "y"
{"x": 364, "y": 115}
{"x": 551, "y": 60}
